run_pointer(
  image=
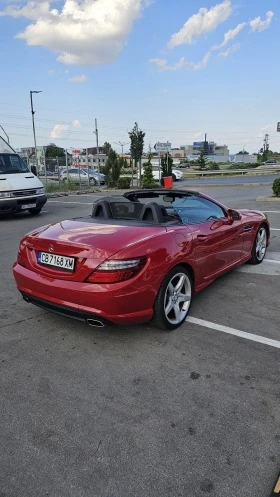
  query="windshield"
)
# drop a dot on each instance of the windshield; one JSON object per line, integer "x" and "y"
{"x": 11, "y": 164}
{"x": 187, "y": 208}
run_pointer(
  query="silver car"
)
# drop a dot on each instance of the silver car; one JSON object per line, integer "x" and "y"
{"x": 77, "y": 175}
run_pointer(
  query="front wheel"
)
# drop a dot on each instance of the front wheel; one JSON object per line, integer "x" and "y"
{"x": 35, "y": 211}
{"x": 92, "y": 181}
{"x": 259, "y": 247}
{"x": 173, "y": 300}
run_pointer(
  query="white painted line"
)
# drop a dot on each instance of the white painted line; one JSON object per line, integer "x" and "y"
{"x": 272, "y": 212}
{"x": 275, "y": 256}
{"x": 61, "y": 202}
{"x": 272, "y": 260}
{"x": 274, "y": 229}
{"x": 232, "y": 331}
{"x": 268, "y": 268}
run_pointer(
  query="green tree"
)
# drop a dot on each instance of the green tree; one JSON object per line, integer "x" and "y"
{"x": 112, "y": 168}
{"x": 107, "y": 147}
{"x": 166, "y": 163}
{"x": 242, "y": 152}
{"x": 53, "y": 152}
{"x": 201, "y": 161}
{"x": 136, "y": 136}
{"x": 148, "y": 178}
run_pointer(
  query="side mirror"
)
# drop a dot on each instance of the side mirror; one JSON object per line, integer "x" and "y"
{"x": 34, "y": 170}
{"x": 233, "y": 215}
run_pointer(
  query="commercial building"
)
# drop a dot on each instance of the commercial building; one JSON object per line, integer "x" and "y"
{"x": 214, "y": 152}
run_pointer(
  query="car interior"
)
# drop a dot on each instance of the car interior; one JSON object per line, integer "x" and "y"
{"x": 157, "y": 208}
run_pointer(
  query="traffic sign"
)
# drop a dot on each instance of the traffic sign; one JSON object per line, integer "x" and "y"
{"x": 162, "y": 147}
{"x": 278, "y": 126}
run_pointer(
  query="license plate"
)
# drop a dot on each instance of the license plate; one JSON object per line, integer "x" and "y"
{"x": 55, "y": 260}
{"x": 28, "y": 206}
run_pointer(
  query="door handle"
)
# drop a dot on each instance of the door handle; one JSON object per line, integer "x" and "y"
{"x": 202, "y": 238}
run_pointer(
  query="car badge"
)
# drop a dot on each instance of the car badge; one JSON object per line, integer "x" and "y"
{"x": 51, "y": 248}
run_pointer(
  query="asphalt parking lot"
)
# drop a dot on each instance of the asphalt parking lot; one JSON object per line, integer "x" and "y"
{"x": 138, "y": 412}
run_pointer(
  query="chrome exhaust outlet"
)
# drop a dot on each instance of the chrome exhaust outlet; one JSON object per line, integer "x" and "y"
{"x": 95, "y": 322}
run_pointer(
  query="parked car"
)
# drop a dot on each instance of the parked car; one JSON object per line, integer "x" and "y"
{"x": 94, "y": 174}
{"x": 76, "y": 175}
{"x": 176, "y": 174}
{"x": 271, "y": 162}
{"x": 183, "y": 165}
{"x": 20, "y": 189}
{"x": 138, "y": 257}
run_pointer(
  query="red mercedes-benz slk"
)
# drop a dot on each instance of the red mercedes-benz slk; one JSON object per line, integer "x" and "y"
{"x": 137, "y": 258}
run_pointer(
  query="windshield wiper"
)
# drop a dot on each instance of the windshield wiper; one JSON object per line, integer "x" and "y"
{"x": 10, "y": 171}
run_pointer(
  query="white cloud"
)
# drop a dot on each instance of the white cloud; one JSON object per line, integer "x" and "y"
{"x": 203, "y": 63}
{"x": 258, "y": 25}
{"x": 82, "y": 78}
{"x": 76, "y": 124}
{"x": 51, "y": 72}
{"x": 234, "y": 48}
{"x": 83, "y": 32}
{"x": 162, "y": 64}
{"x": 59, "y": 130}
{"x": 229, "y": 35}
{"x": 203, "y": 22}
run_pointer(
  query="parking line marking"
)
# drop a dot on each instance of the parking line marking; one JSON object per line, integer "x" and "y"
{"x": 271, "y": 260}
{"x": 272, "y": 212}
{"x": 232, "y": 331}
{"x": 71, "y": 202}
{"x": 276, "y": 489}
{"x": 274, "y": 229}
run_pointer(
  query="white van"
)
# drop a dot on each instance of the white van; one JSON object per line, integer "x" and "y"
{"x": 20, "y": 189}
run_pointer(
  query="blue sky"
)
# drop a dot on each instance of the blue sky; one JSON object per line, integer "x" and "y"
{"x": 179, "y": 68}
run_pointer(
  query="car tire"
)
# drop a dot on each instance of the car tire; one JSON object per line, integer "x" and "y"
{"x": 35, "y": 211}
{"x": 259, "y": 246}
{"x": 92, "y": 181}
{"x": 174, "y": 177}
{"x": 173, "y": 300}
{"x": 64, "y": 180}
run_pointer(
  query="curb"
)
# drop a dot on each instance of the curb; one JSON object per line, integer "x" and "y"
{"x": 74, "y": 192}
{"x": 268, "y": 199}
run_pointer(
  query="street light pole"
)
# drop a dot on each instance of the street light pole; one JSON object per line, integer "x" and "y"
{"x": 8, "y": 139}
{"x": 121, "y": 144}
{"x": 97, "y": 152}
{"x": 33, "y": 124}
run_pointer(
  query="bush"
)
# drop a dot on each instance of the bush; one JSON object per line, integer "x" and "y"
{"x": 213, "y": 166}
{"x": 123, "y": 183}
{"x": 276, "y": 187}
{"x": 245, "y": 165}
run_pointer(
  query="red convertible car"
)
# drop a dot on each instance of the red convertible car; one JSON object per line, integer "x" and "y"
{"x": 137, "y": 257}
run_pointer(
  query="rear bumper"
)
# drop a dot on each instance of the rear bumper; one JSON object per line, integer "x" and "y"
{"x": 13, "y": 205}
{"x": 113, "y": 304}
{"x": 63, "y": 310}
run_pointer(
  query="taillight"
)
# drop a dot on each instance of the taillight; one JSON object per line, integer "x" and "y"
{"x": 114, "y": 271}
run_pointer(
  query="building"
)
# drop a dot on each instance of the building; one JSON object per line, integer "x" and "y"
{"x": 214, "y": 152}
{"x": 177, "y": 153}
{"x": 244, "y": 158}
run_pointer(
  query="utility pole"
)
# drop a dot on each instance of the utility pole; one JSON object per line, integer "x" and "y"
{"x": 265, "y": 143}
{"x": 97, "y": 152}
{"x": 33, "y": 124}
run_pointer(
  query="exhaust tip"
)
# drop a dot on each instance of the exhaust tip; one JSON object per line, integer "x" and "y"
{"x": 95, "y": 322}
